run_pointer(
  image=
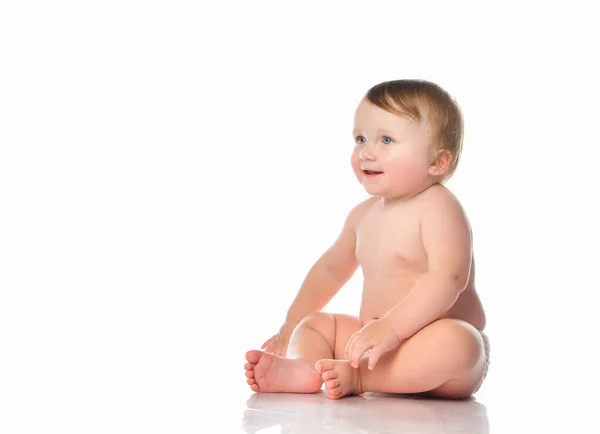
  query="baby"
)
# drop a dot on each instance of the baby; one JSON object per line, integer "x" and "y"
{"x": 420, "y": 325}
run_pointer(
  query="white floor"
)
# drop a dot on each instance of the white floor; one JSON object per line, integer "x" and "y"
{"x": 290, "y": 413}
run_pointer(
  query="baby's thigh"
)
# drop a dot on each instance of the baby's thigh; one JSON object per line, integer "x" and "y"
{"x": 345, "y": 326}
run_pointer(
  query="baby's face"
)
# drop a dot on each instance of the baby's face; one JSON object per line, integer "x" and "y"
{"x": 392, "y": 154}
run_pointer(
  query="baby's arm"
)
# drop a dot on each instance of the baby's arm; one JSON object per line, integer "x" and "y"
{"x": 333, "y": 269}
{"x": 446, "y": 237}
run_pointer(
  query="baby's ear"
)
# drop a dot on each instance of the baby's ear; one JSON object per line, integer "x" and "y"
{"x": 441, "y": 162}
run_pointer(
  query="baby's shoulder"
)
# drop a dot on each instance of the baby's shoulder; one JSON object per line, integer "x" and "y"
{"x": 438, "y": 198}
{"x": 357, "y": 213}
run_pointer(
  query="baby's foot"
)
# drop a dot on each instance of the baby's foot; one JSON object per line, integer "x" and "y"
{"x": 340, "y": 378}
{"x": 270, "y": 373}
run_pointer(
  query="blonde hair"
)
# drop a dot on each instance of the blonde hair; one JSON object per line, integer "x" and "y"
{"x": 417, "y": 99}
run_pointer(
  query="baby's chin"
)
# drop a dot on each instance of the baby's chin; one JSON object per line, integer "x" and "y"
{"x": 373, "y": 190}
{"x": 381, "y": 191}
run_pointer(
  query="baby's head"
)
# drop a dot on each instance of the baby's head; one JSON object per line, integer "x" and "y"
{"x": 408, "y": 136}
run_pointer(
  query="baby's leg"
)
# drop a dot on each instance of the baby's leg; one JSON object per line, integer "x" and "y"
{"x": 444, "y": 359}
{"x": 316, "y": 337}
{"x": 322, "y": 336}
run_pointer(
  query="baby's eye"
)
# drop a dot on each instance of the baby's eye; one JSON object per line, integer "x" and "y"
{"x": 387, "y": 140}
{"x": 358, "y": 140}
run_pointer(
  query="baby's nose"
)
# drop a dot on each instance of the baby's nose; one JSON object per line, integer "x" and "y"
{"x": 366, "y": 155}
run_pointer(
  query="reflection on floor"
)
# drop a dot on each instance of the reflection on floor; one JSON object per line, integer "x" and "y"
{"x": 369, "y": 413}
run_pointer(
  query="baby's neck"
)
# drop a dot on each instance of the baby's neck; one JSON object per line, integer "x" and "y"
{"x": 407, "y": 197}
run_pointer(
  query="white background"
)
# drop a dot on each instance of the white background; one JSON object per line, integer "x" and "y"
{"x": 169, "y": 172}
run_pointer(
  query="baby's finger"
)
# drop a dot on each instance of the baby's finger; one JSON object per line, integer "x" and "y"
{"x": 347, "y": 348}
{"x": 268, "y": 342}
{"x": 374, "y": 356}
{"x": 349, "y": 344}
{"x": 272, "y": 347}
{"x": 357, "y": 351}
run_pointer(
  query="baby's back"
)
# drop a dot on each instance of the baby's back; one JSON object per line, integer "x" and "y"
{"x": 391, "y": 254}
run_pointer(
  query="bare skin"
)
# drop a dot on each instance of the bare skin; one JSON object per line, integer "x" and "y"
{"x": 413, "y": 243}
{"x": 278, "y": 374}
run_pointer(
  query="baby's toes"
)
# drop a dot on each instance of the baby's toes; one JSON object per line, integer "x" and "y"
{"x": 324, "y": 365}
{"x": 332, "y": 384}
{"x": 249, "y": 366}
{"x": 330, "y": 375}
{"x": 253, "y": 356}
{"x": 250, "y": 374}
{"x": 334, "y": 393}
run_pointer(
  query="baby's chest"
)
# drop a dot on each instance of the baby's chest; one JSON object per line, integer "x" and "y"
{"x": 390, "y": 241}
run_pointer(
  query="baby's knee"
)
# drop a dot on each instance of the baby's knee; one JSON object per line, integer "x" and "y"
{"x": 317, "y": 320}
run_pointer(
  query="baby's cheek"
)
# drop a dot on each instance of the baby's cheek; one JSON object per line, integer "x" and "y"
{"x": 402, "y": 172}
{"x": 355, "y": 162}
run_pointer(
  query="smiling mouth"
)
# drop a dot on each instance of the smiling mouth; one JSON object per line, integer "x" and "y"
{"x": 372, "y": 172}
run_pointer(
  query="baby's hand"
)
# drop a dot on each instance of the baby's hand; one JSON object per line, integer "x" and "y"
{"x": 278, "y": 343}
{"x": 376, "y": 336}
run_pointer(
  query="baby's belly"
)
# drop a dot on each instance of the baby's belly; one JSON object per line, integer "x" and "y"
{"x": 380, "y": 296}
